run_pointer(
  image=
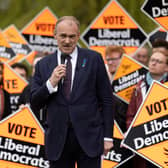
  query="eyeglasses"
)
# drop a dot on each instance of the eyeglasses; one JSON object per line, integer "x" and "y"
{"x": 153, "y": 60}
{"x": 112, "y": 59}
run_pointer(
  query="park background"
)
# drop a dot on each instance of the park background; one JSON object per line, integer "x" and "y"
{"x": 20, "y": 12}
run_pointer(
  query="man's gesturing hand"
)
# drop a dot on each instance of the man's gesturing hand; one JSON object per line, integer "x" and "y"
{"x": 57, "y": 74}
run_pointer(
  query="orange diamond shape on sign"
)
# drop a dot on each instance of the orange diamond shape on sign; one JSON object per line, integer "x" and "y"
{"x": 42, "y": 24}
{"x": 114, "y": 26}
{"x": 128, "y": 74}
{"x": 157, "y": 11}
{"x": 13, "y": 82}
{"x": 147, "y": 134}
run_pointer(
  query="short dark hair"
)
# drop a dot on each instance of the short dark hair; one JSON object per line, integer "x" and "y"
{"x": 21, "y": 66}
{"x": 160, "y": 43}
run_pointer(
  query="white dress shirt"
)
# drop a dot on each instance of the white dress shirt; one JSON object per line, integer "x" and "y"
{"x": 74, "y": 56}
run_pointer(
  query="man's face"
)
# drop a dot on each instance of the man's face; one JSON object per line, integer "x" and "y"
{"x": 67, "y": 35}
{"x": 142, "y": 56}
{"x": 21, "y": 72}
{"x": 113, "y": 60}
{"x": 157, "y": 64}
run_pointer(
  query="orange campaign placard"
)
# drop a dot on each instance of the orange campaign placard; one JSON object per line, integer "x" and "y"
{"x": 13, "y": 36}
{"x": 128, "y": 74}
{"x": 114, "y": 26}
{"x": 118, "y": 155}
{"x": 147, "y": 135}
{"x": 40, "y": 31}
{"x": 6, "y": 51}
{"x": 17, "y": 42}
{"x": 22, "y": 141}
{"x": 157, "y": 11}
{"x": 29, "y": 58}
{"x": 13, "y": 82}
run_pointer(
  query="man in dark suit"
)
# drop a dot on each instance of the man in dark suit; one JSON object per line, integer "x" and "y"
{"x": 79, "y": 108}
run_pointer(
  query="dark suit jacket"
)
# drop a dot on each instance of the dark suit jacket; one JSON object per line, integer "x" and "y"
{"x": 91, "y": 88}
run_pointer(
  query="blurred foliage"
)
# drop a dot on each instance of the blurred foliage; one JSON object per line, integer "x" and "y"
{"x": 20, "y": 12}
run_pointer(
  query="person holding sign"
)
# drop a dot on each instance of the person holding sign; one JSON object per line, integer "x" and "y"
{"x": 158, "y": 68}
{"x": 113, "y": 55}
{"x": 5, "y": 109}
{"x": 73, "y": 84}
{"x": 25, "y": 95}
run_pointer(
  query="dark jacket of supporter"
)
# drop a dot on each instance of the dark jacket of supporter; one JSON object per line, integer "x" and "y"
{"x": 120, "y": 109}
{"x": 5, "y": 104}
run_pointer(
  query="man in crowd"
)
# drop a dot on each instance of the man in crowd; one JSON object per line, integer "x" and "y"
{"x": 74, "y": 85}
{"x": 21, "y": 69}
{"x": 158, "y": 68}
{"x": 142, "y": 56}
{"x": 25, "y": 95}
{"x": 113, "y": 56}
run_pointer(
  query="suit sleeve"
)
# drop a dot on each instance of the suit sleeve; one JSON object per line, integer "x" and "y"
{"x": 105, "y": 98}
{"x": 39, "y": 92}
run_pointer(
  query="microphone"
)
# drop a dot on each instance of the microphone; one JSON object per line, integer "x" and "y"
{"x": 63, "y": 61}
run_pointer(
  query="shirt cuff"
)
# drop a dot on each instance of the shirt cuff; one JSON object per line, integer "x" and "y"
{"x": 50, "y": 88}
{"x": 108, "y": 139}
